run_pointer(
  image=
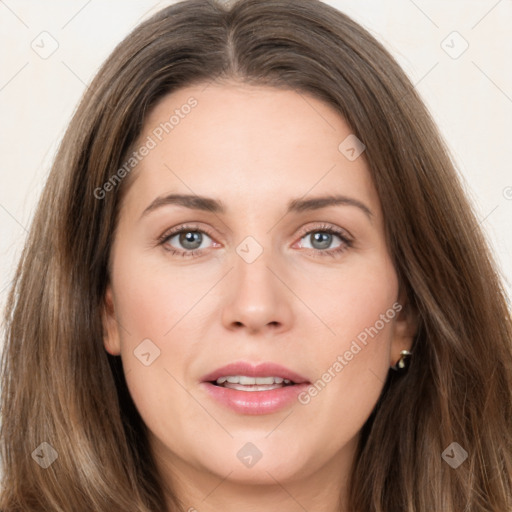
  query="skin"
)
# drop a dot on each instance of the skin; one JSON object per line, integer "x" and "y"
{"x": 253, "y": 148}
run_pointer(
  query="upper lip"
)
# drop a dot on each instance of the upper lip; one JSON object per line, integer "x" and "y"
{"x": 266, "y": 369}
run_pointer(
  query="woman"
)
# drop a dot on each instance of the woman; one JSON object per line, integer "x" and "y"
{"x": 254, "y": 282}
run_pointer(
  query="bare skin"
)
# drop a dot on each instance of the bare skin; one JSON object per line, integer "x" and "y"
{"x": 298, "y": 303}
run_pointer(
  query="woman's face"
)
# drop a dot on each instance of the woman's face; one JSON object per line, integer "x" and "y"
{"x": 264, "y": 273}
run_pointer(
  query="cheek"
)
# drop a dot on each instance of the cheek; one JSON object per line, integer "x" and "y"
{"x": 354, "y": 302}
{"x": 153, "y": 298}
{"x": 352, "y": 357}
{"x": 155, "y": 308}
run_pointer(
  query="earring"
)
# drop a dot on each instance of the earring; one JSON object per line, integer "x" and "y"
{"x": 403, "y": 363}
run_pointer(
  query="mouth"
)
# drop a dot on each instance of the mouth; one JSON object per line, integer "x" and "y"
{"x": 254, "y": 389}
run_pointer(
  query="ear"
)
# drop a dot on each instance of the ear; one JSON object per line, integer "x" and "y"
{"x": 111, "y": 339}
{"x": 405, "y": 329}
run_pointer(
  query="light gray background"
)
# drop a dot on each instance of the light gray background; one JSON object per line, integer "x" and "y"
{"x": 470, "y": 95}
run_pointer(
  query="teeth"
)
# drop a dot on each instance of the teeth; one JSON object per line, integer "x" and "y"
{"x": 241, "y": 387}
{"x": 251, "y": 381}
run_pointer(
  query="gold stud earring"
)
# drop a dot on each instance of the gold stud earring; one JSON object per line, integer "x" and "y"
{"x": 402, "y": 364}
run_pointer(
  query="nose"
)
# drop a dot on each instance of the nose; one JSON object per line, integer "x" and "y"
{"x": 257, "y": 298}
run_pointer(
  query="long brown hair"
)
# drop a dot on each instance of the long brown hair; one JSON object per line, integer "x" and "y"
{"x": 60, "y": 387}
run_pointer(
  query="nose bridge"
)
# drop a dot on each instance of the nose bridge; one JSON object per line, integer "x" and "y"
{"x": 255, "y": 298}
{"x": 252, "y": 274}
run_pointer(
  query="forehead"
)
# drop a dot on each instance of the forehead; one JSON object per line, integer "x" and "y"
{"x": 244, "y": 143}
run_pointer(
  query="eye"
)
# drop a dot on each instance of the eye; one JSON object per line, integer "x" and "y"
{"x": 185, "y": 240}
{"x": 190, "y": 240}
{"x": 322, "y": 238}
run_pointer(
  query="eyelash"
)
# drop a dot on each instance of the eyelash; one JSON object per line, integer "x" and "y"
{"x": 324, "y": 228}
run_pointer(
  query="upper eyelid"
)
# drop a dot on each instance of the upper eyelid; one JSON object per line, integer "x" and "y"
{"x": 326, "y": 227}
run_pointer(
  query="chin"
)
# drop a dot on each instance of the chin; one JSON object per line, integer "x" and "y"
{"x": 260, "y": 462}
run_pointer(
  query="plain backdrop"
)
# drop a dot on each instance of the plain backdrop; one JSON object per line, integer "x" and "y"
{"x": 456, "y": 52}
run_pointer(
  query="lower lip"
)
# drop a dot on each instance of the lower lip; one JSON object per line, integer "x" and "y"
{"x": 255, "y": 402}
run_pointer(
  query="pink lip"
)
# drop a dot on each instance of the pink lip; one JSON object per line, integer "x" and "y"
{"x": 255, "y": 402}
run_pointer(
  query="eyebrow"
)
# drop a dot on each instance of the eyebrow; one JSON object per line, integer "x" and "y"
{"x": 195, "y": 202}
